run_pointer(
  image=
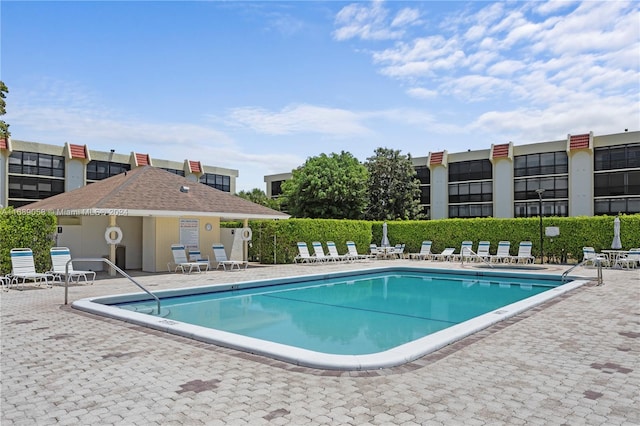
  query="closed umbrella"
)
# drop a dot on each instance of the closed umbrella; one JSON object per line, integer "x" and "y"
{"x": 616, "y": 244}
{"x": 385, "y": 238}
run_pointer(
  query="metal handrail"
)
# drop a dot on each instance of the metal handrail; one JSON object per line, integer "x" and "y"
{"x": 474, "y": 254}
{"x": 108, "y": 262}
{"x": 598, "y": 264}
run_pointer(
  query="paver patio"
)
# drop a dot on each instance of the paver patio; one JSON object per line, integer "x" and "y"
{"x": 574, "y": 360}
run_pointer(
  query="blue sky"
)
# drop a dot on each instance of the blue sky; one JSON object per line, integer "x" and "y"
{"x": 261, "y": 86}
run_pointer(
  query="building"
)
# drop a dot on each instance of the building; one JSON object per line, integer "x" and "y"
{"x": 582, "y": 175}
{"x": 32, "y": 171}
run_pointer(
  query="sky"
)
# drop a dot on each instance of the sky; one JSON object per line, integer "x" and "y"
{"x": 261, "y": 86}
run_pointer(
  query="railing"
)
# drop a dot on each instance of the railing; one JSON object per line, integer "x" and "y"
{"x": 597, "y": 263}
{"x": 108, "y": 262}
{"x": 472, "y": 253}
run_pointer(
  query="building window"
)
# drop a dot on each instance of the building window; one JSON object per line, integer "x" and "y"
{"x": 549, "y": 208}
{"x": 33, "y": 163}
{"x": 470, "y": 170}
{"x": 27, "y": 189}
{"x": 616, "y": 181}
{"x": 174, "y": 171}
{"x": 546, "y": 163}
{"x": 470, "y": 189}
{"x": 554, "y": 187}
{"x": 471, "y": 210}
{"x": 98, "y": 170}
{"x": 221, "y": 182}
{"x": 276, "y": 188}
{"x": 617, "y": 157}
{"x": 423, "y": 174}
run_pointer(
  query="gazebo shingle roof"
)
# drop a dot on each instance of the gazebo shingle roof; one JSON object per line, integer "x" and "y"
{"x": 150, "y": 191}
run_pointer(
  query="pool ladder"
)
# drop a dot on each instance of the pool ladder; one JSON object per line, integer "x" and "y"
{"x": 598, "y": 264}
{"x": 470, "y": 253}
{"x": 108, "y": 262}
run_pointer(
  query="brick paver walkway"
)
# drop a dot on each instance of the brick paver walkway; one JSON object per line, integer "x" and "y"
{"x": 572, "y": 361}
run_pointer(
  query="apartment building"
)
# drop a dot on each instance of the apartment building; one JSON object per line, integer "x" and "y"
{"x": 31, "y": 171}
{"x": 582, "y": 175}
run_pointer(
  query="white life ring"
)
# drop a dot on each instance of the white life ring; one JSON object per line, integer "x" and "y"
{"x": 246, "y": 234}
{"x": 107, "y": 235}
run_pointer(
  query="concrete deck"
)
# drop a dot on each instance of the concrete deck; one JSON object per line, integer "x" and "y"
{"x": 574, "y": 360}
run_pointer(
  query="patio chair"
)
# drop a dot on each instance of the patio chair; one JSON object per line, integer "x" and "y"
{"x": 221, "y": 257}
{"x": 318, "y": 253}
{"x": 23, "y": 268}
{"x": 333, "y": 253}
{"x": 180, "y": 260}
{"x": 303, "y": 254}
{"x": 483, "y": 251}
{"x": 447, "y": 254}
{"x": 425, "y": 252}
{"x": 196, "y": 256}
{"x": 353, "y": 252}
{"x": 589, "y": 256}
{"x": 524, "y": 253}
{"x": 398, "y": 251}
{"x": 466, "y": 252}
{"x": 59, "y": 258}
{"x": 502, "y": 254}
{"x": 631, "y": 260}
{"x": 5, "y": 280}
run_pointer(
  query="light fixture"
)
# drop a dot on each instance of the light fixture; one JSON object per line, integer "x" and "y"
{"x": 184, "y": 189}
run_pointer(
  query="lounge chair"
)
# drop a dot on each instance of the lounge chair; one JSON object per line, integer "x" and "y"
{"x": 447, "y": 254}
{"x": 6, "y": 282}
{"x": 466, "y": 252}
{"x": 196, "y": 256}
{"x": 425, "y": 252}
{"x": 318, "y": 252}
{"x": 524, "y": 253}
{"x": 333, "y": 253}
{"x": 59, "y": 258}
{"x": 483, "y": 251}
{"x": 180, "y": 260}
{"x": 502, "y": 254}
{"x": 23, "y": 268}
{"x": 303, "y": 254}
{"x": 398, "y": 251}
{"x": 630, "y": 261}
{"x": 221, "y": 257}
{"x": 353, "y": 252}
{"x": 589, "y": 256}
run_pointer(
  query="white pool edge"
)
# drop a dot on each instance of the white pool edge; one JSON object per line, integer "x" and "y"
{"x": 393, "y": 357}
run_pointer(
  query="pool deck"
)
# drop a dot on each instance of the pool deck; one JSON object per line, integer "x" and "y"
{"x": 573, "y": 360}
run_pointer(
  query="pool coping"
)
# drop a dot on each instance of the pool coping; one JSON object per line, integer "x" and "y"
{"x": 302, "y": 357}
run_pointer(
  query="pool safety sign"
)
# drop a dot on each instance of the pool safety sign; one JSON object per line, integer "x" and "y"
{"x": 190, "y": 233}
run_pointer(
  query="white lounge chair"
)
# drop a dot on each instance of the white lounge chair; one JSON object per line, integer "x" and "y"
{"x": 589, "y": 256}
{"x": 180, "y": 260}
{"x": 398, "y": 251}
{"x": 221, "y": 257}
{"x": 483, "y": 251}
{"x": 23, "y": 268}
{"x": 59, "y": 258}
{"x": 318, "y": 252}
{"x": 196, "y": 256}
{"x": 303, "y": 254}
{"x": 425, "y": 252}
{"x": 630, "y": 261}
{"x": 466, "y": 252}
{"x": 353, "y": 251}
{"x": 524, "y": 253}
{"x": 447, "y": 254}
{"x": 333, "y": 253}
{"x": 502, "y": 254}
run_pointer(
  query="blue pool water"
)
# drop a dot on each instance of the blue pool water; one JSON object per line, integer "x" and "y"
{"x": 350, "y": 315}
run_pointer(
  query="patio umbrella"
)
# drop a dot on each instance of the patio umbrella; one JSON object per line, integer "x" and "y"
{"x": 616, "y": 244}
{"x": 385, "y": 238}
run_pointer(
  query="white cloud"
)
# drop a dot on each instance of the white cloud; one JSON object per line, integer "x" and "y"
{"x": 406, "y": 16}
{"x": 422, "y": 93}
{"x": 300, "y": 119}
{"x": 365, "y": 21}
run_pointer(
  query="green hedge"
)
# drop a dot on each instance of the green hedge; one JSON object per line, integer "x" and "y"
{"x": 278, "y": 238}
{"x": 29, "y": 230}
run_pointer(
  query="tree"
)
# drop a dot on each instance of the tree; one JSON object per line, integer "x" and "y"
{"x": 327, "y": 187}
{"x": 4, "y": 127}
{"x": 258, "y": 196}
{"x": 394, "y": 190}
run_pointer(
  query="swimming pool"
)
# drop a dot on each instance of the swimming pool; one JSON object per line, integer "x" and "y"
{"x": 351, "y": 320}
